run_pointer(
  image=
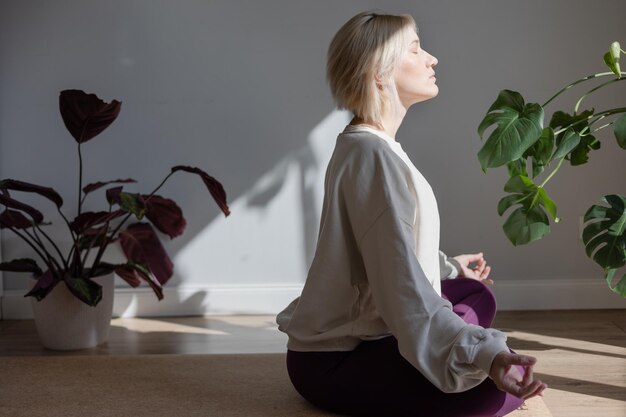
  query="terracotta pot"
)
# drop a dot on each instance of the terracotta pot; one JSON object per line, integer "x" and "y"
{"x": 66, "y": 323}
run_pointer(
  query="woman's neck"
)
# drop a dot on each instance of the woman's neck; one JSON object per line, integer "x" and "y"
{"x": 389, "y": 123}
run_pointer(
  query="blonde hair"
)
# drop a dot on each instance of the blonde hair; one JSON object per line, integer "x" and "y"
{"x": 361, "y": 55}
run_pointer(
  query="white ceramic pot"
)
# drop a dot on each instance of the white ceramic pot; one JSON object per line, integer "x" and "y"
{"x": 66, "y": 323}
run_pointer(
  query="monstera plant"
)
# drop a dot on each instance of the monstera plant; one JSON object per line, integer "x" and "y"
{"x": 86, "y": 116}
{"x": 528, "y": 149}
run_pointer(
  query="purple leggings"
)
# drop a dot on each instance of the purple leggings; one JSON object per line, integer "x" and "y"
{"x": 375, "y": 380}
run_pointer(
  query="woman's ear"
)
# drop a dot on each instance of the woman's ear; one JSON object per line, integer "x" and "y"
{"x": 380, "y": 81}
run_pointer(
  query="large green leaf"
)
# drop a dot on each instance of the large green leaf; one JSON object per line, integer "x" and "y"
{"x": 509, "y": 201}
{"x": 619, "y": 128}
{"x": 604, "y": 234}
{"x": 580, "y": 154}
{"x": 620, "y": 287}
{"x": 544, "y": 200}
{"x": 520, "y": 184}
{"x": 517, "y": 167}
{"x": 528, "y": 222}
{"x": 524, "y": 227}
{"x": 541, "y": 151}
{"x": 528, "y": 194}
{"x": 575, "y": 142}
{"x": 567, "y": 143}
{"x": 578, "y": 122}
{"x": 519, "y": 126}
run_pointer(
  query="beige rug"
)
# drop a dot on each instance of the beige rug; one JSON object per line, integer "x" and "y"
{"x": 158, "y": 386}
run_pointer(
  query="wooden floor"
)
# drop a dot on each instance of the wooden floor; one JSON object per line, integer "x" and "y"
{"x": 582, "y": 354}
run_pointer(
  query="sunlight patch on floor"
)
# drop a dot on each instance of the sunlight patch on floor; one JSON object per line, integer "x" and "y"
{"x": 151, "y": 325}
{"x": 556, "y": 342}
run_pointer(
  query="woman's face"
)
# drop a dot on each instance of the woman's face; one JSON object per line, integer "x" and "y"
{"x": 414, "y": 75}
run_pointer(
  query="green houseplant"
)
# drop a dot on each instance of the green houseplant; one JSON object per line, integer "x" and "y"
{"x": 527, "y": 148}
{"x": 86, "y": 116}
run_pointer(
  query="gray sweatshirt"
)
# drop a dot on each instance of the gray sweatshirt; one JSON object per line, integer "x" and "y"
{"x": 366, "y": 280}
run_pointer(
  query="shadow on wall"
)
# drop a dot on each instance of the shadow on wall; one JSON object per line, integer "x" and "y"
{"x": 274, "y": 225}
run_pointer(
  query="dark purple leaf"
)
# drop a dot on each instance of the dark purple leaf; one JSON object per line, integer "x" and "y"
{"x": 89, "y": 219}
{"x": 46, "y": 192}
{"x": 21, "y": 265}
{"x": 44, "y": 285}
{"x": 103, "y": 268}
{"x": 95, "y": 185}
{"x": 14, "y": 219}
{"x": 113, "y": 195}
{"x": 133, "y": 273}
{"x": 85, "y": 115}
{"x": 92, "y": 239}
{"x": 31, "y": 211}
{"x": 84, "y": 289}
{"x": 94, "y": 231}
{"x": 129, "y": 275}
{"x": 214, "y": 186}
{"x": 165, "y": 215}
{"x": 141, "y": 245}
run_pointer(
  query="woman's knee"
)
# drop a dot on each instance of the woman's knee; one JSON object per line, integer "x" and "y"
{"x": 472, "y": 300}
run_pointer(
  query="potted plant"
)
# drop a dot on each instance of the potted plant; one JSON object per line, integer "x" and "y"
{"x": 82, "y": 270}
{"x": 522, "y": 143}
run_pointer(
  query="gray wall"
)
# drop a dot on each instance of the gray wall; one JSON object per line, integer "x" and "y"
{"x": 237, "y": 87}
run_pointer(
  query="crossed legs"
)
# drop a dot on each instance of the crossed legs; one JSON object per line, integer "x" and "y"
{"x": 375, "y": 380}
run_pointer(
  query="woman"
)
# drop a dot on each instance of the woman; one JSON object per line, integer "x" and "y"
{"x": 372, "y": 333}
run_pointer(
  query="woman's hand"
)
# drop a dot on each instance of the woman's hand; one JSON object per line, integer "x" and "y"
{"x": 480, "y": 271}
{"x": 508, "y": 379}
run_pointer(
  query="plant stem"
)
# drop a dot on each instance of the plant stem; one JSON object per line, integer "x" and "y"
{"x": 159, "y": 186}
{"x": 65, "y": 264}
{"x": 552, "y": 173}
{"x": 606, "y": 113}
{"x": 41, "y": 255}
{"x": 95, "y": 239}
{"x": 594, "y": 89}
{"x": 37, "y": 239}
{"x": 82, "y": 261}
{"x": 74, "y": 238}
{"x": 589, "y": 77}
{"x": 80, "y": 179}
{"x": 106, "y": 244}
{"x": 69, "y": 255}
{"x": 599, "y": 116}
{"x": 67, "y": 222}
{"x": 602, "y": 127}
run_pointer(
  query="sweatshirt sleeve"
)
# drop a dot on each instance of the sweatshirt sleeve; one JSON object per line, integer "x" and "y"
{"x": 453, "y": 355}
{"x": 449, "y": 267}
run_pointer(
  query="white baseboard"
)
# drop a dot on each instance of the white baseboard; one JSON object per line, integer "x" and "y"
{"x": 553, "y": 294}
{"x": 270, "y": 299}
{"x": 181, "y": 301}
